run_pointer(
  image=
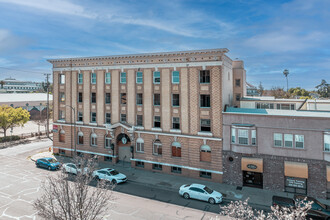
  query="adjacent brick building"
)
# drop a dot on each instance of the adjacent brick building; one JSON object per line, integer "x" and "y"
{"x": 158, "y": 111}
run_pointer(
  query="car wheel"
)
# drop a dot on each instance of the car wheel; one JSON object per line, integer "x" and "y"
{"x": 49, "y": 168}
{"x": 186, "y": 195}
{"x": 114, "y": 182}
{"x": 37, "y": 164}
{"x": 211, "y": 201}
{"x": 97, "y": 178}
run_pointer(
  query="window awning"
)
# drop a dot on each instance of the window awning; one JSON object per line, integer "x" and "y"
{"x": 328, "y": 173}
{"x": 252, "y": 164}
{"x": 295, "y": 169}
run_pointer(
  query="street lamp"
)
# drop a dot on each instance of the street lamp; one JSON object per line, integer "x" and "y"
{"x": 286, "y": 73}
{"x": 74, "y": 124}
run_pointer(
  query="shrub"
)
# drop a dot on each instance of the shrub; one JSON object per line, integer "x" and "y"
{"x": 9, "y": 138}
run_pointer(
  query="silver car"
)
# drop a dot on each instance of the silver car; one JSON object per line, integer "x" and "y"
{"x": 200, "y": 192}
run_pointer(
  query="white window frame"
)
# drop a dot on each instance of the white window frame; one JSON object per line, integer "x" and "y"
{"x": 80, "y": 134}
{"x": 233, "y": 135}
{"x": 92, "y": 117}
{"x": 288, "y": 138}
{"x": 327, "y": 142}
{"x": 107, "y": 78}
{"x": 93, "y": 140}
{"x": 62, "y": 79}
{"x": 154, "y": 77}
{"x": 176, "y": 79}
{"x": 277, "y": 139}
{"x": 298, "y": 139}
{"x": 242, "y": 135}
{"x": 80, "y": 78}
{"x": 123, "y": 76}
{"x": 107, "y": 141}
{"x": 93, "y": 78}
{"x": 155, "y": 145}
{"x": 138, "y": 78}
{"x": 140, "y": 145}
{"x": 254, "y": 137}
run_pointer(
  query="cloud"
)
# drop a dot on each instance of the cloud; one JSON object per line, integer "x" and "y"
{"x": 9, "y": 42}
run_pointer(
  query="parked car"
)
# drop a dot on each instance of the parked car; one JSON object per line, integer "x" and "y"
{"x": 110, "y": 175}
{"x": 48, "y": 163}
{"x": 73, "y": 169}
{"x": 317, "y": 211}
{"x": 200, "y": 192}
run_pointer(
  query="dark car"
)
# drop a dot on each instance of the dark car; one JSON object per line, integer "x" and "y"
{"x": 318, "y": 210}
{"x": 48, "y": 163}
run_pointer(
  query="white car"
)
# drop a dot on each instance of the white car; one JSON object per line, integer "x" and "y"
{"x": 200, "y": 192}
{"x": 73, "y": 169}
{"x": 110, "y": 175}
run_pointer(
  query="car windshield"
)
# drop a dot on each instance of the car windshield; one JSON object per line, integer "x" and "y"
{"x": 208, "y": 190}
{"x": 52, "y": 160}
{"x": 114, "y": 172}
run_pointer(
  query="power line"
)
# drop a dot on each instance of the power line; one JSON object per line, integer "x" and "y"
{"x": 20, "y": 70}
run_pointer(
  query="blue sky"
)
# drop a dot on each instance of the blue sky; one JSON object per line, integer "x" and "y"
{"x": 268, "y": 35}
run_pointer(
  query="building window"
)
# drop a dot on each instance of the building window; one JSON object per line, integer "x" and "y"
{"x": 139, "y": 99}
{"x": 278, "y": 140}
{"x": 107, "y": 98}
{"x": 207, "y": 175}
{"x": 205, "y": 153}
{"x": 107, "y": 78}
{"x": 61, "y": 115}
{"x": 299, "y": 139}
{"x": 327, "y": 142}
{"x": 108, "y": 118}
{"x": 176, "y": 123}
{"x": 175, "y": 77}
{"x": 243, "y": 136}
{"x": 233, "y": 135}
{"x": 139, "y": 77}
{"x": 157, "y": 122}
{"x": 123, "y": 78}
{"x": 93, "y": 117}
{"x": 238, "y": 96}
{"x": 283, "y": 106}
{"x": 62, "y": 97}
{"x": 260, "y": 105}
{"x": 107, "y": 141}
{"x": 288, "y": 140}
{"x": 157, "y": 147}
{"x": 123, "y": 118}
{"x": 139, "y": 164}
{"x": 61, "y": 151}
{"x": 156, "y": 77}
{"x": 157, "y": 166}
{"x": 62, "y": 136}
{"x": 253, "y": 137}
{"x": 80, "y": 97}
{"x": 238, "y": 82}
{"x": 93, "y": 78}
{"x": 93, "y": 99}
{"x": 139, "y": 120}
{"x": 175, "y": 100}
{"x": 123, "y": 98}
{"x": 80, "y": 78}
{"x": 206, "y": 125}
{"x": 205, "y": 101}
{"x": 93, "y": 140}
{"x": 204, "y": 76}
{"x": 80, "y": 116}
{"x": 62, "y": 79}
{"x": 176, "y": 170}
{"x": 108, "y": 159}
{"x": 80, "y": 138}
{"x": 140, "y": 145}
{"x": 176, "y": 149}
{"x": 156, "y": 99}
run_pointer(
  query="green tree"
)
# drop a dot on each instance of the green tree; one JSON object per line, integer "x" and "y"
{"x": 323, "y": 89}
{"x": 294, "y": 92}
{"x": 261, "y": 89}
{"x": 12, "y": 117}
{"x": 2, "y": 83}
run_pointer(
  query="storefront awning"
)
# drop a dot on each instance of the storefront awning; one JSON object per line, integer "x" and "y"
{"x": 328, "y": 173}
{"x": 252, "y": 164}
{"x": 295, "y": 169}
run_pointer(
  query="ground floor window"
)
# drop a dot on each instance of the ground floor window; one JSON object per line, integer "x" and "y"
{"x": 296, "y": 185}
{"x": 79, "y": 154}
{"x": 252, "y": 179}
{"x": 62, "y": 152}
{"x": 205, "y": 174}
{"x": 176, "y": 170}
{"x": 157, "y": 167}
{"x": 139, "y": 164}
{"x": 328, "y": 190}
{"x": 107, "y": 158}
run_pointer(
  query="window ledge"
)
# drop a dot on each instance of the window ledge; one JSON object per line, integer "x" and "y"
{"x": 79, "y": 122}
{"x": 156, "y": 129}
{"x": 175, "y": 131}
{"x": 139, "y": 152}
{"x": 202, "y": 133}
{"x": 61, "y": 121}
{"x": 139, "y": 127}
{"x": 92, "y": 123}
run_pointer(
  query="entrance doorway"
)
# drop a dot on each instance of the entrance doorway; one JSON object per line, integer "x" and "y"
{"x": 252, "y": 179}
{"x": 124, "y": 147}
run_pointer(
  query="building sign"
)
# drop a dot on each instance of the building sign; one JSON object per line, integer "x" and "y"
{"x": 124, "y": 140}
{"x": 251, "y": 166}
{"x": 55, "y": 128}
{"x": 296, "y": 182}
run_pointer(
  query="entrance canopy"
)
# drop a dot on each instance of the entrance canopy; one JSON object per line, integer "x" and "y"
{"x": 295, "y": 169}
{"x": 252, "y": 164}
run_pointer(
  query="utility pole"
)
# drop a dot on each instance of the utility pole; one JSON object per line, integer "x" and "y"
{"x": 47, "y": 86}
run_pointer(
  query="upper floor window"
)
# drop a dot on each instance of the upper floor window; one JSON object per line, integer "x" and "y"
{"x": 107, "y": 78}
{"x": 139, "y": 99}
{"x": 123, "y": 99}
{"x": 108, "y": 118}
{"x": 205, "y": 153}
{"x": 62, "y": 78}
{"x": 299, "y": 139}
{"x": 93, "y": 98}
{"x": 93, "y": 117}
{"x": 140, "y": 145}
{"x": 204, "y": 76}
{"x": 62, "y": 97}
{"x": 107, "y": 141}
{"x": 80, "y": 139}
{"x": 139, "y": 77}
{"x": 175, "y": 100}
{"x": 238, "y": 96}
{"x": 123, "y": 77}
{"x": 205, "y": 101}
{"x": 176, "y": 149}
{"x": 288, "y": 140}
{"x": 62, "y": 136}
{"x": 93, "y": 140}
{"x": 157, "y": 122}
{"x": 238, "y": 82}
{"x": 205, "y": 125}
{"x": 107, "y": 98}
{"x": 157, "y": 147}
{"x": 123, "y": 118}
{"x": 175, "y": 77}
{"x": 156, "y": 77}
{"x": 243, "y": 136}
{"x": 80, "y": 78}
{"x": 80, "y": 116}
{"x": 261, "y": 105}
{"x": 139, "y": 120}
{"x": 156, "y": 99}
{"x": 93, "y": 78}
{"x": 61, "y": 115}
{"x": 233, "y": 135}
{"x": 327, "y": 142}
{"x": 80, "y": 97}
{"x": 253, "y": 137}
{"x": 176, "y": 123}
{"x": 278, "y": 140}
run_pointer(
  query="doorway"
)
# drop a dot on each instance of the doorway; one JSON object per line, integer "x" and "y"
{"x": 253, "y": 179}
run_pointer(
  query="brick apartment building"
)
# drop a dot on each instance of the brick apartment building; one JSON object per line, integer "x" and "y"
{"x": 158, "y": 111}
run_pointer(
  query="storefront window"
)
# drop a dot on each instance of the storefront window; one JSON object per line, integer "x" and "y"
{"x": 296, "y": 185}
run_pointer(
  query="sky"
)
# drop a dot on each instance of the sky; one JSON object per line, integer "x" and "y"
{"x": 269, "y": 36}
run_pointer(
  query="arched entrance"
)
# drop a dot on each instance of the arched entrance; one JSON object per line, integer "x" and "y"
{"x": 124, "y": 147}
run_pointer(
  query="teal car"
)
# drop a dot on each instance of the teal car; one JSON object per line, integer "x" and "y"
{"x": 48, "y": 163}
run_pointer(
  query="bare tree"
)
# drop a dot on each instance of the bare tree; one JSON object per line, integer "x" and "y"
{"x": 70, "y": 197}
